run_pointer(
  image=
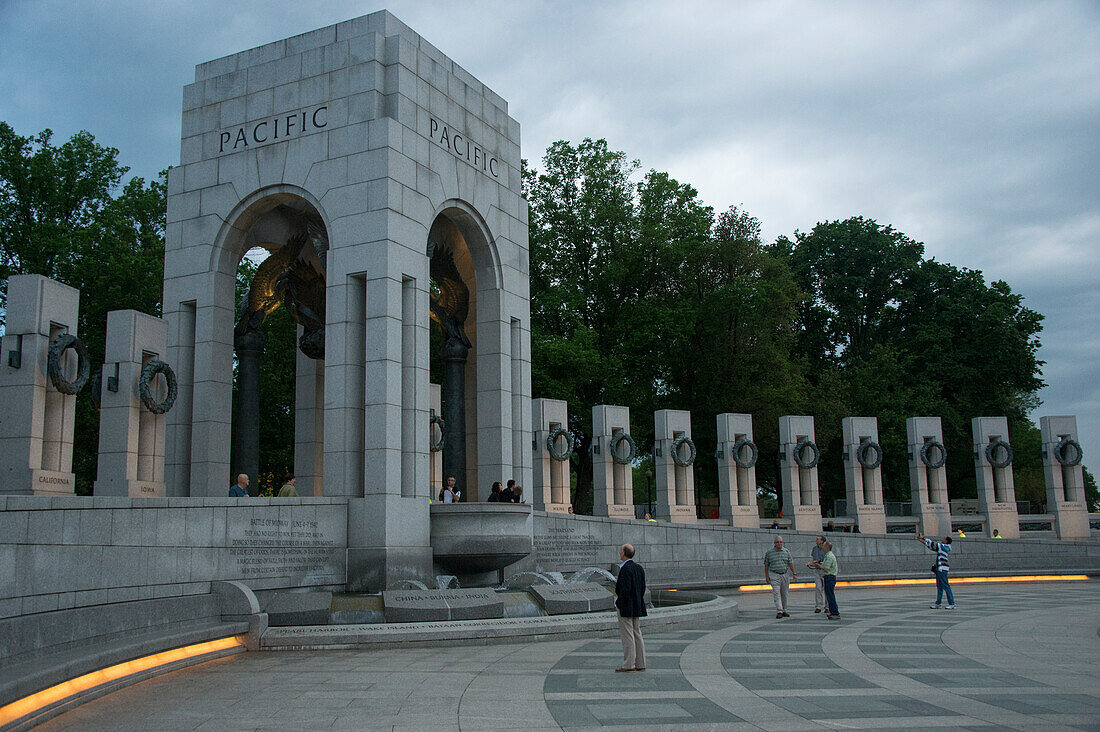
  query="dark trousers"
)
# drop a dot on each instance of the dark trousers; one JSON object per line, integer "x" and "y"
{"x": 830, "y": 593}
{"x": 943, "y": 586}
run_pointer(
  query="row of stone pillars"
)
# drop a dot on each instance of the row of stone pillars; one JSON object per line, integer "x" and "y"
{"x": 613, "y": 452}
{"x": 38, "y": 417}
{"x": 36, "y": 428}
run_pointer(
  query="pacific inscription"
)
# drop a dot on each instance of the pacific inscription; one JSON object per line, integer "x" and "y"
{"x": 273, "y": 129}
{"x": 460, "y": 145}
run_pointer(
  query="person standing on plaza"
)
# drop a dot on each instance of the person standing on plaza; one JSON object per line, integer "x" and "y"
{"x": 816, "y": 555}
{"x": 494, "y": 493}
{"x": 240, "y": 488}
{"x": 942, "y": 567}
{"x": 827, "y": 569}
{"x": 630, "y": 601}
{"x": 508, "y": 495}
{"x": 778, "y": 572}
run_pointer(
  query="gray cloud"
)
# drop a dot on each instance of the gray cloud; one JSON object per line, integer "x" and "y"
{"x": 971, "y": 127}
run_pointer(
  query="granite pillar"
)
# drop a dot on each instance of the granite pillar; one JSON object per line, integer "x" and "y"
{"x": 131, "y": 437}
{"x": 863, "y": 473}
{"x": 675, "y": 484}
{"x": 737, "y": 455}
{"x": 993, "y": 470}
{"x": 1064, "y": 476}
{"x": 798, "y": 458}
{"x": 37, "y": 420}
{"x": 612, "y": 478}
{"x": 551, "y": 489}
{"x": 928, "y": 475}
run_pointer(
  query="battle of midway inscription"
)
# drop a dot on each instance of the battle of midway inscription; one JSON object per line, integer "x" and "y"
{"x": 307, "y": 547}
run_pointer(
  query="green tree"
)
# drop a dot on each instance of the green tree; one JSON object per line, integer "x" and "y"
{"x": 602, "y": 252}
{"x": 890, "y": 334}
{"x": 640, "y": 297}
{"x": 63, "y": 215}
{"x": 729, "y": 347}
{"x": 1092, "y": 495}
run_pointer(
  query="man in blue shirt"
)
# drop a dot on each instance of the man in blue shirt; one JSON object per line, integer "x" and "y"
{"x": 240, "y": 488}
{"x": 942, "y": 549}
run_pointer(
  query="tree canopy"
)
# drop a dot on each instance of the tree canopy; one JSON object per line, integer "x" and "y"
{"x": 66, "y": 214}
{"x": 642, "y": 296}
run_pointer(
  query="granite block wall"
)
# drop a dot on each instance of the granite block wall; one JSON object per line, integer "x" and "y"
{"x": 61, "y": 553}
{"x": 720, "y": 554}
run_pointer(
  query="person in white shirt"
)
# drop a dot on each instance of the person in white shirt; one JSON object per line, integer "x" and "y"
{"x": 448, "y": 494}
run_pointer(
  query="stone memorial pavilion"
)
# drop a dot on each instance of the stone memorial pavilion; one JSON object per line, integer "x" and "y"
{"x": 369, "y": 165}
{"x": 383, "y": 181}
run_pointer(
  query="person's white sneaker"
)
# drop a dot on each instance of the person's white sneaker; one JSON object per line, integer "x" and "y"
{"x": 935, "y": 607}
{"x": 950, "y": 607}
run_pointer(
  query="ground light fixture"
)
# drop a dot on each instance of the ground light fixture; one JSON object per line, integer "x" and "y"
{"x": 929, "y": 581}
{"x": 66, "y": 690}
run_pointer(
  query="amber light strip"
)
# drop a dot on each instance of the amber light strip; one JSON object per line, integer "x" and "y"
{"x": 67, "y": 689}
{"x": 930, "y": 581}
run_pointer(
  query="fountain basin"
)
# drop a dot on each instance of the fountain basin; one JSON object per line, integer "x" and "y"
{"x": 474, "y": 538}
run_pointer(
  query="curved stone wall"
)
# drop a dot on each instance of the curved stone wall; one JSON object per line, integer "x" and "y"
{"x": 60, "y": 553}
{"x": 713, "y": 554}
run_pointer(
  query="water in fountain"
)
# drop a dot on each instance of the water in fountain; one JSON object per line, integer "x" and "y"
{"x": 409, "y": 584}
{"x": 446, "y": 582}
{"x": 522, "y": 580}
{"x": 588, "y": 574}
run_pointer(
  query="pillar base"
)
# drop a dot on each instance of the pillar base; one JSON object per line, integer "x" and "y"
{"x": 373, "y": 569}
{"x": 614, "y": 511}
{"x": 935, "y": 519}
{"x": 42, "y": 483}
{"x": 130, "y": 488}
{"x": 871, "y": 519}
{"x": 676, "y": 514}
{"x": 555, "y": 508}
{"x": 806, "y": 518}
{"x": 742, "y": 517}
{"x": 1071, "y": 520}
{"x": 1003, "y": 517}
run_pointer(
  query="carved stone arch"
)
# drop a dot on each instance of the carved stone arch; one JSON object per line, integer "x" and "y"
{"x": 478, "y": 237}
{"x": 267, "y": 218}
{"x": 234, "y": 238}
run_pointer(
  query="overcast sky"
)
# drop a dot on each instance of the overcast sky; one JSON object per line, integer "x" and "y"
{"x": 972, "y": 127}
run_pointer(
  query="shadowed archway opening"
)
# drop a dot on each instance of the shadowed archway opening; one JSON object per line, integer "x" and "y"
{"x": 278, "y": 341}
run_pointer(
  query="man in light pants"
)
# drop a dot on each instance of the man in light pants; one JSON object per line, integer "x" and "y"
{"x": 778, "y": 572}
{"x": 816, "y": 555}
{"x": 630, "y": 601}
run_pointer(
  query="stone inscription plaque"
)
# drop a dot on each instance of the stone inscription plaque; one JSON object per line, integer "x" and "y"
{"x": 410, "y": 606}
{"x": 585, "y": 597}
{"x": 568, "y": 545}
{"x": 308, "y": 548}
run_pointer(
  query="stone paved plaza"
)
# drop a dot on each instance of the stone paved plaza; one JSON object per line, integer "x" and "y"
{"x": 1016, "y": 656}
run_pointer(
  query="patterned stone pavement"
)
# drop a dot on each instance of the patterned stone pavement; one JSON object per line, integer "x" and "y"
{"x": 1016, "y": 656}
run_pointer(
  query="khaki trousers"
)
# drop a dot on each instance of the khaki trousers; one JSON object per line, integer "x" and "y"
{"x": 630, "y": 632}
{"x": 781, "y": 584}
{"x": 819, "y": 590}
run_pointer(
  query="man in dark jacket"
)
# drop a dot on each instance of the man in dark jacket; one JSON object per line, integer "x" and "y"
{"x": 630, "y": 600}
